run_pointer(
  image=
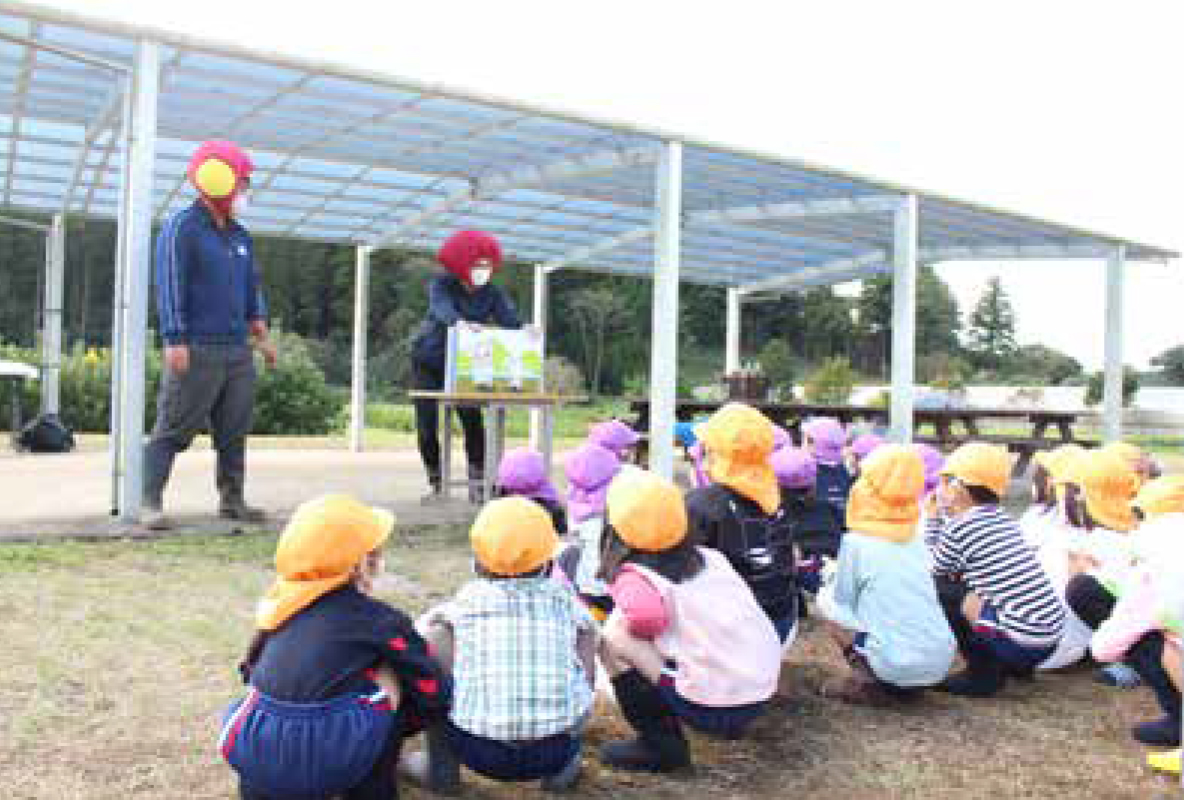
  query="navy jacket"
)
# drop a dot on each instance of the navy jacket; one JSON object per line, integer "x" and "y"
{"x": 207, "y": 286}
{"x": 450, "y": 302}
{"x": 329, "y": 648}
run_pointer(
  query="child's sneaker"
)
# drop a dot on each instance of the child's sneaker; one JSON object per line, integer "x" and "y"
{"x": 1119, "y": 675}
{"x": 1168, "y": 762}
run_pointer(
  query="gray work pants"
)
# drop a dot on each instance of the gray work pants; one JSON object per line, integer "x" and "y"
{"x": 218, "y": 392}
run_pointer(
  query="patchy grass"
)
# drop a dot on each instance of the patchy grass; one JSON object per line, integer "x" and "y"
{"x": 118, "y": 658}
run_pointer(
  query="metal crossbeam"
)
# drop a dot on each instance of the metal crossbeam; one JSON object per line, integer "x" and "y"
{"x": 22, "y": 99}
{"x": 526, "y": 177}
{"x": 605, "y": 245}
{"x": 105, "y": 120}
{"x": 800, "y": 208}
{"x": 794, "y": 280}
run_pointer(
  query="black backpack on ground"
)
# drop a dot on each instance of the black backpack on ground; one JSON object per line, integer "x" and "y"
{"x": 46, "y": 434}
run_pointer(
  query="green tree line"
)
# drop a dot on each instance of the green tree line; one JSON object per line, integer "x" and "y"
{"x": 600, "y": 323}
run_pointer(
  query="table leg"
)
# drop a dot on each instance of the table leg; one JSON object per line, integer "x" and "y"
{"x": 446, "y": 455}
{"x": 1039, "y": 428}
{"x": 490, "y": 454}
{"x": 971, "y": 427}
{"x": 548, "y": 443}
{"x": 1066, "y": 430}
{"x": 16, "y": 413}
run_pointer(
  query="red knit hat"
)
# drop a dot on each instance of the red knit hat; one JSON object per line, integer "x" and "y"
{"x": 464, "y": 249}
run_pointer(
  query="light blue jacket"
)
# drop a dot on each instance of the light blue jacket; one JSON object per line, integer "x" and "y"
{"x": 886, "y": 590}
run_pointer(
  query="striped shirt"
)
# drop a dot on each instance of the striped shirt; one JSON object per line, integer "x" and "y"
{"x": 987, "y": 549}
{"x": 516, "y": 670}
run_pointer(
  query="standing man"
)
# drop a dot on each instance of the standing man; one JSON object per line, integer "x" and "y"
{"x": 211, "y": 310}
{"x": 463, "y": 296}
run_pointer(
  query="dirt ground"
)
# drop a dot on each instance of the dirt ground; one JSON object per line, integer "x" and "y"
{"x": 117, "y": 660}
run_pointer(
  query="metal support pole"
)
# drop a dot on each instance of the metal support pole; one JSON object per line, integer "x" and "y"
{"x": 51, "y": 333}
{"x": 537, "y": 427}
{"x": 137, "y": 267}
{"x": 1112, "y": 383}
{"x": 732, "y": 348}
{"x": 664, "y": 337}
{"x": 357, "y": 395}
{"x": 115, "y": 440}
{"x": 904, "y": 319}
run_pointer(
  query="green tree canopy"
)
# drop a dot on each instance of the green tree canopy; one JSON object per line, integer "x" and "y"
{"x": 1171, "y": 365}
{"x": 991, "y": 333}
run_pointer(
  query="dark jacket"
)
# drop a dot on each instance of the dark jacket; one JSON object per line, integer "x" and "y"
{"x": 450, "y": 302}
{"x": 328, "y": 649}
{"x": 758, "y": 545}
{"x": 207, "y": 286}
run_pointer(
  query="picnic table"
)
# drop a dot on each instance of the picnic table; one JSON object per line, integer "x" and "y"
{"x": 949, "y": 426}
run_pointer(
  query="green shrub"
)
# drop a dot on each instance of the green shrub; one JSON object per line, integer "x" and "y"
{"x": 1095, "y": 386}
{"x": 292, "y": 398}
{"x": 831, "y": 383}
{"x": 391, "y": 417}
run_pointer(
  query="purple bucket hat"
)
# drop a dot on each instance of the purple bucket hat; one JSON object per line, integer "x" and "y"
{"x": 934, "y": 461}
{"x": 699, "y": 472}
{"x": 795, "y": 468}
{"x": 614, "y": 436}
{"x": 781, "y": 438}
{"x": 522, "y": 472}
{"x": 828, "y": 438}
{"x": 863, "y": 445}
{"x": 590, "y": 469}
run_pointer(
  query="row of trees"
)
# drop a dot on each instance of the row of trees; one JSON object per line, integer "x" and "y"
{"x": 599, "y": 323}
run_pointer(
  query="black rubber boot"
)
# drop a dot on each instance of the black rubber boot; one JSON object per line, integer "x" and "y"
{"x": 1146, "y": 658}
{"x": 984, "y": 675}
{"x": 443, "y": 768}
{"x": 660, "y": 745}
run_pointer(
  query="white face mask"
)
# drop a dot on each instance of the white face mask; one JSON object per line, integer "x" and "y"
{"x": 481, "y": 276}
{"x": 240, "y": 204}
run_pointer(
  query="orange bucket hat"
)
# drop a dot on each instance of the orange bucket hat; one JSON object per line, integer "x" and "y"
{"x": 647, "y": 511}
{"x": 1056, "y": 461}
{"x": 1161, "y": 496}
{"x": 883, "y": 501}
{"x": 1109, "y": 484}
{"x": 513, "y": 536}
{"x": 980, "y": 464}
{"x": 739, "y": 442}
{"x": 1132, "y": 455}
{"x": 317, "y": 552}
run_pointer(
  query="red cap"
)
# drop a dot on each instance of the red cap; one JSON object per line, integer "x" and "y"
{"x": 464, "y": 249}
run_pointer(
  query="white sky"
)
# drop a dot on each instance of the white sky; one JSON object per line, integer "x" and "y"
{"x": 1061, "y": 109}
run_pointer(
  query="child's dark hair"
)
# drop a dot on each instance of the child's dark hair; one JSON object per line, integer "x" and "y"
{"x": 981, "y": 495}
{"x": 677, "y": 564}
{"x": 1075, "y": 510}
{"x": 1042, "y": 484}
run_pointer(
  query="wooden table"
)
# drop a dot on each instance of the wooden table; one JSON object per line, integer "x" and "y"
{"x": 17, "y": 372}
{"x": 941, "y": 421}
{"x": 787, "y": 415}
{"x": 495, "y": 428}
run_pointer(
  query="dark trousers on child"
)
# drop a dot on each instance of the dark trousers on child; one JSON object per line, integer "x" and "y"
{"x": 427, "y": 425}
{"x": 1090, "y": 601}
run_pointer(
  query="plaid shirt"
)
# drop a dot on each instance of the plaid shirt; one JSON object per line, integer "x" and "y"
{"x": 516, "y": 670}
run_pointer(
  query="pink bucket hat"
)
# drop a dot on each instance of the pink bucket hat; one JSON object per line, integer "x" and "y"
{"x": 828, "y": 437}
{"x": 794, "y": 468}
{"x": 522, "y": 472}
{"x": 590, "y": 469}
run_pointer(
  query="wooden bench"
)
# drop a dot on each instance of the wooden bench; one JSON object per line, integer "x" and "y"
{"x": 1024, "y": 447}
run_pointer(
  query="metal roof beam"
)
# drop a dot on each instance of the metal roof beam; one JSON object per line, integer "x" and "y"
{"x": 791, "y": 281}
{"x": 105, "y": 120}
{"x": 1002, "y": 252}
{"x": 801, "y": 208}
{"x": 526, "y": 177}
{"x": 603, "y": 246}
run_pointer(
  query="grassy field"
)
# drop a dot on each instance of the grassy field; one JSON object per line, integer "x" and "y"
{"x": 118, "y": 658}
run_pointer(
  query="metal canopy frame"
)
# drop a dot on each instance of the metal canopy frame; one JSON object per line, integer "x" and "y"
{"x": 353, "y": 156}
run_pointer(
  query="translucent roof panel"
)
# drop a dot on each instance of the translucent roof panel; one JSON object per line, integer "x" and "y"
{"x": 351, "y": 156}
